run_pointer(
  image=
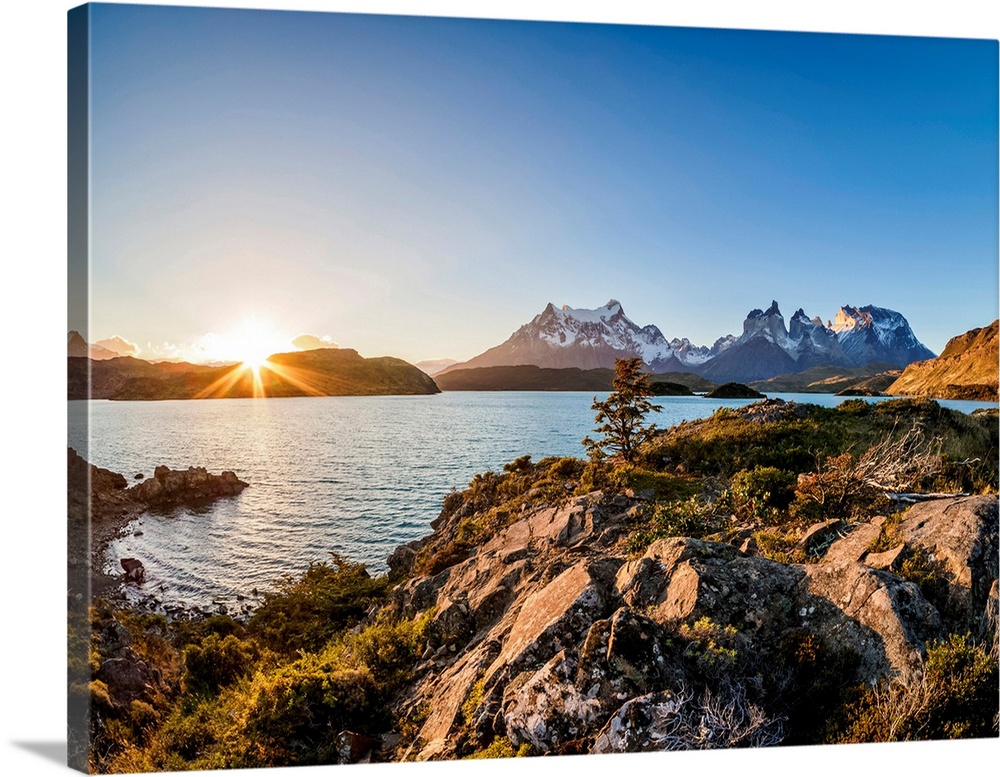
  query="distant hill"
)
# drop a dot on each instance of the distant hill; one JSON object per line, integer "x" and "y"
{"x": 876, "y": 385}
{"x": 823, "y": 379}
{"x": 110, "y": 376}
{"x": 320, "y": 372}
{"x": 433, "y": 366}
{"x": 528, "y": 377}
{"x": 733, "y": 391}
{"x": 77, "y": 346}
{"x": 966, "y": 369}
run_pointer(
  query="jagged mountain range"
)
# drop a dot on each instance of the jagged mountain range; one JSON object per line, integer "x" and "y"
{"x": 592, "y": 339}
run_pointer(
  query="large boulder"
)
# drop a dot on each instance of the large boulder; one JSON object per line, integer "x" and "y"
{"x": 681, "y": 579}
{"x": 884, "y": 619}
{"x": 960, "y": 538}
{"x": 572, "y": 695}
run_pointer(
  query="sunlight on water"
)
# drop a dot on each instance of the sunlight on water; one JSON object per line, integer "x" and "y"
{"x": 352, "y": 475}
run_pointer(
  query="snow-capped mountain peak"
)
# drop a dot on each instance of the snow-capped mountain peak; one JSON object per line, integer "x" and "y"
{"x": 874, "y": 334}
{"x": 587, "y": 338}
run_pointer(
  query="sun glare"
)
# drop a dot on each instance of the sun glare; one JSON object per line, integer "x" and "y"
{"x": 247, "y": 347}
{"x": 250, "y": 343}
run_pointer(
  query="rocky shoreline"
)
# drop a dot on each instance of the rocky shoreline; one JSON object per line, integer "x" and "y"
{"x": 732, "y": 589}
{"x": 102, "y": 506}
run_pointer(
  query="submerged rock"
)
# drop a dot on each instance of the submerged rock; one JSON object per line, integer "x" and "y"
{"x": 135, "y": 572}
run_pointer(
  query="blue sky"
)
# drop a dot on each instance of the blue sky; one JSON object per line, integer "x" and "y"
{"x": 421, "y": 187}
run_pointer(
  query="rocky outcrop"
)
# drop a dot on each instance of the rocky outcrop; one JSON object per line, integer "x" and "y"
{"x": 548, "y": 635}
{"x": 125, "y": 675}
{"x": 168, "y": 488}
{"x": 959, "y": 537}
{"x": 953, "y": 542}
{"x": 135, "y": 571}
{"x": 966, "y": 369}
{"x": 100, "y": 506}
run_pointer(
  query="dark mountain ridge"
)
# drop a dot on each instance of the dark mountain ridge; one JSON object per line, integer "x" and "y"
{"x": 319, "y": 372}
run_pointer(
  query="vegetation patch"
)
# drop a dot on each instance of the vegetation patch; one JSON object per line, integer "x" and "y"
{"x": 779, "y": 546}
{"x": 956, "y": 697}
{"x": 494, "y": 500}
{"x": 693, "y": 517}
{"x": 303, "y": 613}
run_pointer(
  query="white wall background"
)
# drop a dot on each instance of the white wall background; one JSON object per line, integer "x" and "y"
{"x": 32, "y": 410}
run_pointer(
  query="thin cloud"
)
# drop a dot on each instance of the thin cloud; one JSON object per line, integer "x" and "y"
{"x": 312, "y": 342}
{"x": 120, "y": 346}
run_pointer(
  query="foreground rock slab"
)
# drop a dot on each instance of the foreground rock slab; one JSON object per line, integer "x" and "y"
{"x": 548, "y": 636}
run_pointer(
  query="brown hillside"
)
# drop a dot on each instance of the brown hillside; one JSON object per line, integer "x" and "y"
{"x": 966, "y": 369}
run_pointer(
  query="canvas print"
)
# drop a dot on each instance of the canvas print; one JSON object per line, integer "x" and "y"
{"x": 450, "y": 388}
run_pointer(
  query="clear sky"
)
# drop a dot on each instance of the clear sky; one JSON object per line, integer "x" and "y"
{"x": 421, "y": 187}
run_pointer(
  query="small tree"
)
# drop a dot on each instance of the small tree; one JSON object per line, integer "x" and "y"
{"x": 622, "y": 415}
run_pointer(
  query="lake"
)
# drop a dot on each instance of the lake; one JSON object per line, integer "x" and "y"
{"x": 353, "y": 475}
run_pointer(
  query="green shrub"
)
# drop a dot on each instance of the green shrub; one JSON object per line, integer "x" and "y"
{"x": 762, "y": 494}
{"x": 928, "y": 573}
{"x": 501, "y": 747}
{"x": 304, "y": 613}
{"x": 955, "y": 698}
{"x": 100, "y": 697}
{"x": 189, "y": 733}
{"x": 889, "y": 536}
{"x": 692, "y": 517}
{"x": 472, "y": 701}
{"x": 214, "y": 663}
{"x": 779, "y": 546}
{"x": 655, "y": 485}
{"x": 710, "y": 652}
{"x": 295, "y": 713}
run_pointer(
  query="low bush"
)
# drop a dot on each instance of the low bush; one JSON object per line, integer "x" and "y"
{"x": 215, "y": 663}
{"x": 501, "y": 747}
{"x": 651, "y": 484}
{"x": 779, "y": 546}
{"x": 762, "y": 495}
{"x": 836, "y": 491}
{"x": 303, "y": 613}
{"x": 692, "y": 517}
{"x": 955, "y": 698}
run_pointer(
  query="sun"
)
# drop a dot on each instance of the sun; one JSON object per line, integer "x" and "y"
{"x": 253, "y": 359}
{"x": 250, "y": 343}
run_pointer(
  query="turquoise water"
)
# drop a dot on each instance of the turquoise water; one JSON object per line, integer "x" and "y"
{"x": 354, "y": 475}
